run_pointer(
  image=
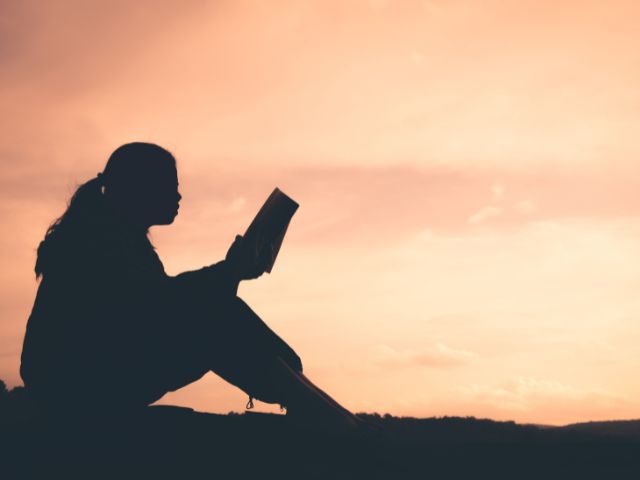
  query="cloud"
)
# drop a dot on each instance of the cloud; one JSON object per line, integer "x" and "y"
{"x": 438, "y": 355}
{"x": 526, "y": 207}
{"x": 237, "y": 205}
{"x": 498, "y": 191}
{"x": 484, "y": 214}
{"x": 527, "y": 394}
{"x": 358, "y": 207}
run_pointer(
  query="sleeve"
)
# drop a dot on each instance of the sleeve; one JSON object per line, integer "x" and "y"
{"x": 146, "y": 299}
{"x": 214, "y": 280}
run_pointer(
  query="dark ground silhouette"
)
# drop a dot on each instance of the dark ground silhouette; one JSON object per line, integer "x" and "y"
{"x": 174, "y": 442}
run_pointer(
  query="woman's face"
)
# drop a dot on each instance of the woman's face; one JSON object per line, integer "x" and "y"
{"x": 152, "y": 200}
{"x": 161, "y": 200}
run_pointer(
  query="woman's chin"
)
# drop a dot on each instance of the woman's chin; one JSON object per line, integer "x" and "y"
{"x": 167, "y": 219}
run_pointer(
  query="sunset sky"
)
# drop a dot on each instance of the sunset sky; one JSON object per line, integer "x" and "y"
{"x": 468, "y": 237}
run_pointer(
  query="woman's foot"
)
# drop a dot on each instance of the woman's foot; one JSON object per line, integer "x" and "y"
{"x": 309, "y": 406}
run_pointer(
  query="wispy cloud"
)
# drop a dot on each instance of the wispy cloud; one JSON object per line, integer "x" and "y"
{"x": 526, "y": 207}
{"x": 497, "y": 189}
{"x": 484, "y": 214}
{"x": 237, "y": 205}
{"x": 438, "y": 355}
{"x": 525, "y": 394}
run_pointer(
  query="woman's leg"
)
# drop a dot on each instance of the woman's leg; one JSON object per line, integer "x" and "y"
{"x": 307, "y": 403}
{"x": 258, "y": 361}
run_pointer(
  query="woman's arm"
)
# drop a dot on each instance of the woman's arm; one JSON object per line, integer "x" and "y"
{"x": 223, "y": 277}
{"x": 218, "y": 278}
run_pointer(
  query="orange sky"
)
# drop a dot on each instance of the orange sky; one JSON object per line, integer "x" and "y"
{"x": 467, "y": 241}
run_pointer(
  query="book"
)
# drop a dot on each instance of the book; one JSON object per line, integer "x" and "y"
{"x": 268, "y": 228}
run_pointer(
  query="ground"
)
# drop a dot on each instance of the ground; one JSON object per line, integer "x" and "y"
{"x": 173, "y": 442}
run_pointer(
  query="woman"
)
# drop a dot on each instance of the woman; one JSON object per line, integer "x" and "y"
{"x": 110, "y": 329}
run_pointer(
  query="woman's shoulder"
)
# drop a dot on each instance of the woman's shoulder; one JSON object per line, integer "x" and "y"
{"x": 105, "y": 249}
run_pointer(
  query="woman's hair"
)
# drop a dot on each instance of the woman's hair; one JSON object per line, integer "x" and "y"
{"x": 128, "y": 165}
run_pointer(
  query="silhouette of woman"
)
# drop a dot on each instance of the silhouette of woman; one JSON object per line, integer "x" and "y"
{"x": 110, "y": 329}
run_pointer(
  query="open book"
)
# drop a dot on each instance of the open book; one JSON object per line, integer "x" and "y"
{"x": 269, "y": 226}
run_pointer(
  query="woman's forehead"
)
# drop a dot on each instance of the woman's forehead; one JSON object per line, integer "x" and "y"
{"x": 165, "y": 173}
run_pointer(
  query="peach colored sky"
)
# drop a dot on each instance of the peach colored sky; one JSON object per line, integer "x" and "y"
{"x": 468, "y": 236}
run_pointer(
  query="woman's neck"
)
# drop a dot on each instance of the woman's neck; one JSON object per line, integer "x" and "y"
{"x": 126, "y": 217}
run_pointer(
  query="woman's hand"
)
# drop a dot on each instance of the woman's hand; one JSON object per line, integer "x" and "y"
{"x": 246, "y": 264}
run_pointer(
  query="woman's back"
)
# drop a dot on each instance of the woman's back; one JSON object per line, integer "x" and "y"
{"x": 93, "y": 308}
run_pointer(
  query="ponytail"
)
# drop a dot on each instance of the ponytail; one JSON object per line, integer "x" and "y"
{"x": 85, "y": 206}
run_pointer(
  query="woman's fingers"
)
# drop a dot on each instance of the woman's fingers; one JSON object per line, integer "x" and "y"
{"x": 234, "y": 248}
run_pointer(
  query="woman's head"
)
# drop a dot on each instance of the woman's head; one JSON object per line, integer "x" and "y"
{"x": 139, "y": 183}
{"x": 141, "y": 180}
